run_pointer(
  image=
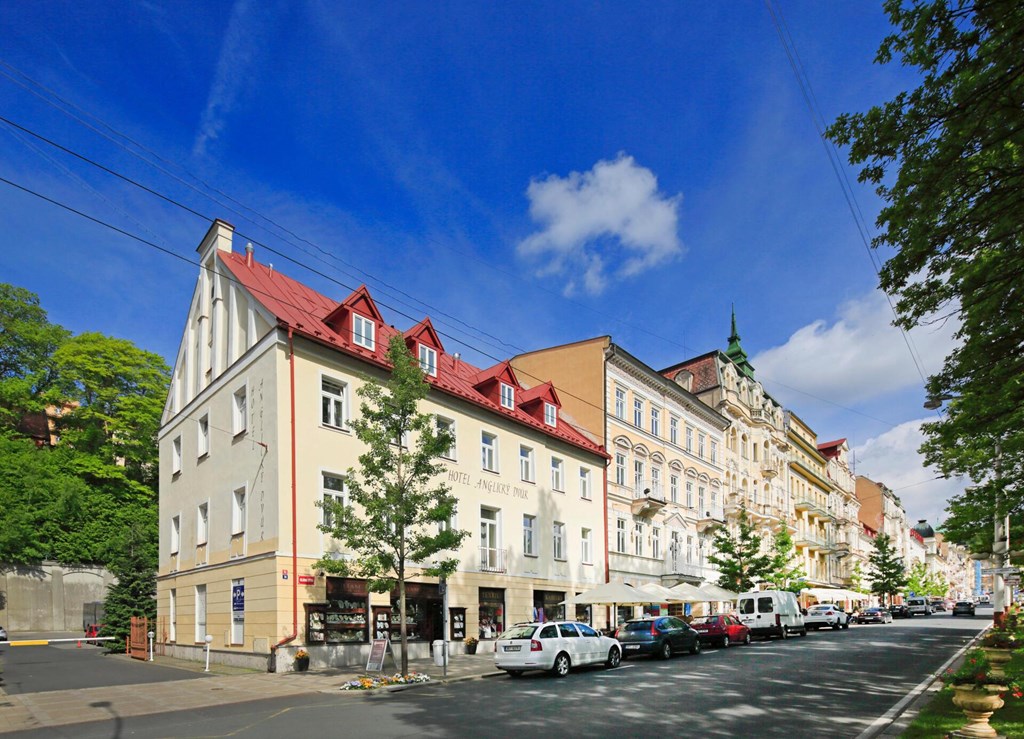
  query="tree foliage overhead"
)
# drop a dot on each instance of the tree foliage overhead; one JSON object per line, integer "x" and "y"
{"x": 738, "y": 557}
{"x": 886, "y": 569}
{"x": 399, "y": 513}
{"x": 947, "y": 158}
{"x": 783, "y": 573}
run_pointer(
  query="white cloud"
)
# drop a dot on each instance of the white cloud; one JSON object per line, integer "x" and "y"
{"x": 860, "y": 357}
{"x": 613, "y": 214}
{"x": 892, "y": 459}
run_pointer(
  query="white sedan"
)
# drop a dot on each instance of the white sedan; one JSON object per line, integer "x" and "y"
{"x": 827, "y": 614}
{"x": 556, "y": 646}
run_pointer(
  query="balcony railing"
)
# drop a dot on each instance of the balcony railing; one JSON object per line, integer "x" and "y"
{"x": 493, "y": 559}
{"x": 648, "y": 497}
{"x": 679, "y": 566}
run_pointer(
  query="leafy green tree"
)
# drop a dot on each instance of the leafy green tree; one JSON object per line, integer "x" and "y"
{"x": 400, "y": 514}
{"x": 947, "y": 159}
{"x": 857, "y": 578}
{"x": 133, "y": 558}
{"x": 739, "y": 557}
{"x": 888, "y": 574}
{"x": 782, "y": 573}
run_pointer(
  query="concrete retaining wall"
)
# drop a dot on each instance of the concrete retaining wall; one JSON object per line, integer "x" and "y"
{"x": 49, "y": 596}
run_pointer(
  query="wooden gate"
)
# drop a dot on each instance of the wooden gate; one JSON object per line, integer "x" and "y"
{"x": 138, "y": 640}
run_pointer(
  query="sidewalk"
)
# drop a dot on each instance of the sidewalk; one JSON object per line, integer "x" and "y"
{"x": 224, "y": 685}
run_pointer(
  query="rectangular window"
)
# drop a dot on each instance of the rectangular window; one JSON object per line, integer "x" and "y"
{"x": 526, "y": 468}
{"x": 689, "y": 494}
{"x": 620, "y": 535}
{"x": 238, "y": 512}
{"x": 655, "y": 422}
{"x": 172, "y": 615}
{"x": 638, "y": 475}
{"x": 638, "y": 413}
{"x": 428, "y": 360}
{"x": 362, "y": 331}
{"x": 489, "y": 451}
{"x": 557, "y": 478}
{"x": 558, "y": 539}
{"x": 175, "y": 534}
{"x": 508, "y": 396}
{"x": 701, "y": 507}
{"x": 333, "y": 401}
{"x": 638, "y": 539}
{"x": 584, "y": 483}
{"x": 700, "y": 445}
{"x": 202, "y": 523}
{"x": 586, "y": 547}
{"x": 240, "y": 412}
{"x": 550, "y": 414}
{"x": 714, "y": 451}
{"x": 689, "y": 439}
{"x": 200, "y": 613}
{"x": 448, "y": 425}
{"x": 673, "y": 488}
{"x": 656, "y": 542}
{"x": 333, "y": 490}
{"x": 656, "y": 481}
{"x": 529, "y": 535}
{"x": 176, "y": 456}
{"x": 203, "y": 436}
{"x": 620, "y": 468}
{"x": 673, "y": 430}
{"x": 620, "y": 403}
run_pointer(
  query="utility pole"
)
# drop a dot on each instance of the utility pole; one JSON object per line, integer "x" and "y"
{"x": 1000, "y": 547}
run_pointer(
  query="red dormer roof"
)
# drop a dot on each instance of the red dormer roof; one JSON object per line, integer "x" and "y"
{"x": 831, "y": 448}
{"x": 544, "y": 392}
{"x": 318, "y": 318}
{"x": 424, "y": 333}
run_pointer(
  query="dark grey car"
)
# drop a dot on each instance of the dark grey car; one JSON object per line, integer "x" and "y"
{"x": 661, "y": 636}
{"x": 963, "y": 607}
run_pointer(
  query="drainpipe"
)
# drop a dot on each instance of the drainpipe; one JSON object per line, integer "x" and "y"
{"x": 295, "y": 544}
{"x": 613, "y": 620}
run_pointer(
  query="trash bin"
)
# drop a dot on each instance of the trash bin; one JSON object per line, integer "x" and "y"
{"x": 438, "y": 648}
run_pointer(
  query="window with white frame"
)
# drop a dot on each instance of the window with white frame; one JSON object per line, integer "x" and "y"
{"x": 448, "y": 425}
{"x": 202, "y": 523}
{"x": 239, "y": 411}
{"x": 333, "y": 491}
{"x": 701, "y": 503}
{"x": 700, "y": 445}
{"x": 508, "y": 396}
{"x": 203, "y": 436}
{"x": 557, "y": 475}
{"x": 673, "y": 430}
{"x": 689, "y": 494}
{"x": 175, "y": 534}
{"x": 529, "y": 535}
{"x": 656, "y": 542}
{"x": 558, "y": 539}
{"x": 586, "y": 546}
{"x": 714, "y": 451}
{"x": 333, "y": 403}
{"x": 428, "y": 360}
{"x": 238, "y": 512}
{"x": 176, "y": 455}
{"x": 689, "y": 439}
{"x": 673, "y": 488}
{"x": 584, "y": 483}
{"x": 620, "y": 535}
{"x": 200, "y": 614}
{"x": 638, "y": 539}
{"x": 620, "y": 468}
{"x": 620, "y": 403}
{"x": 363, "y": 331}
{"x": 526, "y": 465}
{"x": 655, "y": 422}
{"x": 551, "y": 414}
{"x": 489, "y": 451}
{"x": 638, "y": 412}
{"x": 656, "y": 481}
{"x": 638, "y": 475}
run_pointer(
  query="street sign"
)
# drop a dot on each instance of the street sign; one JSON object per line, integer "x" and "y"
{"x": 1000, "y": 571}
{"x": 307, "y": 580}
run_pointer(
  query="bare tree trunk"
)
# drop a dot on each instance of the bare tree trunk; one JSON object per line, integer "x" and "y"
{"x": 401, "y": 615}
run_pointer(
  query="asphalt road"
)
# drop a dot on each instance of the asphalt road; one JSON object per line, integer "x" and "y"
{"x": 831, "y": 683}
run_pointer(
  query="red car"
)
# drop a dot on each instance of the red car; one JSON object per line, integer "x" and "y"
{"x": 721, "y": 629}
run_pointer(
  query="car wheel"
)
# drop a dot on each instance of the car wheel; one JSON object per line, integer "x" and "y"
{"x": 562, "y": 665}
{"x": 785, "y": 633}
{"x": 666, "y": 650}
{"x": 695, "y": 649}
{"x": 614, "y": 657}
{"x": 836, "y": 626}
{"x": 746, "y": 638}
{"x": 725, "y": 642}
{"x": 515, "y": 673}
{"x": 846, "y": 625}
{"x": 804, "y": 632}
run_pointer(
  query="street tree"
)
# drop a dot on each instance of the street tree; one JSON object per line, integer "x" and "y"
{"x": 886, "y": 569}
{"x": 739, "y": 557}
{"x": 783, "y": 573}
{"x": 398, "y": 514}
{"x": 947, "y": 160}
{"x": 857, "y": 578}
{"x": 132, "y": 559}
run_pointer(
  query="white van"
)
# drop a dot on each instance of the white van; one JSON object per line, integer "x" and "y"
{"x": 771, "y": 613}
{"x": 918, "y": 607}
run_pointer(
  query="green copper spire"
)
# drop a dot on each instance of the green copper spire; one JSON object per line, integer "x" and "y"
{"x": 735, "y": 351}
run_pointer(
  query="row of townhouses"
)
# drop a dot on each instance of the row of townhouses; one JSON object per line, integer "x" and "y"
{"x": 573, "y": 466}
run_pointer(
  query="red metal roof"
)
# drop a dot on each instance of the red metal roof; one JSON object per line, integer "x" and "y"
{"x": 304, "y": 310}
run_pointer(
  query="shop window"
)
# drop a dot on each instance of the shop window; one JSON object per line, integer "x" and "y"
{"x": 547, "y": 605}
{"x": 492, "y": 612}
{"x": 342, "y": 619}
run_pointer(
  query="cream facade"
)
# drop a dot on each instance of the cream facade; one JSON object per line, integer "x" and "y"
{"x": 255, "y": 433}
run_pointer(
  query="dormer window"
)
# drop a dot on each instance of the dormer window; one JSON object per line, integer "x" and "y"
{"x": 428, "y": 360}
{"x": 550, "y": 414}
{"x": 362, "y": 331}
{"x": 508, "y": 396}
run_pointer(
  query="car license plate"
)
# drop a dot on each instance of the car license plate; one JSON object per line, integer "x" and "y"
{"x": 513, "y": 648}
{"x": 632, "y": 646}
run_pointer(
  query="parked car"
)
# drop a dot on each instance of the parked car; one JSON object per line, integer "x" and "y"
{"x": 874, "y": 616}
{"x": 721, "y": 629}
{"x": 556, "y": 646}
{"x": 937, "y": 604}
{"x": 3, "y": 634}
{"x": 661, "y": 636}
{"x": 827, "y": 614}
{"x": 900, "y": 610}
{"x": 771, "y": 613}
{"x": 963, "y": 607}
{"x": 919, "y": 607}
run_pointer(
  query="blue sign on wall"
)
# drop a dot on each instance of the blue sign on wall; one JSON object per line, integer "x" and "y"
{"x": 238, "y": 597}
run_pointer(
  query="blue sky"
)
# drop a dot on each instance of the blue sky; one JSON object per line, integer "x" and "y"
{"x": 527, "y": 174}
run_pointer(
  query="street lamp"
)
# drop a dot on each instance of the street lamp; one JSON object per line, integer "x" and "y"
{"x": 934, "y": 402}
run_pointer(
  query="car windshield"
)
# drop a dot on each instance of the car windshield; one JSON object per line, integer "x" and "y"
{"x": 703, "y": 620}
{"x": 519, "y": 632}
{"x": 637, "y": 626}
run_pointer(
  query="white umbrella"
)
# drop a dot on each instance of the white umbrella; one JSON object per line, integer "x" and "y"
{"x": 614, "y": 593}
{"x": 688, "y": 593}
{"x": 660, "y": 593}
{"x": 717, "y": 593}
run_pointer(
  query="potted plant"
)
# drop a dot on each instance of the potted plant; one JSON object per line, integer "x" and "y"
{"x": 998, "y": 646}
{"x": 301, "y": 660}
{"x": 471, "y": 643}
{"x": 979, "y": 692}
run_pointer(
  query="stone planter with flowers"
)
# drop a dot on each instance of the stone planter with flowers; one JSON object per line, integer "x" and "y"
{"x": 979, "y": 692}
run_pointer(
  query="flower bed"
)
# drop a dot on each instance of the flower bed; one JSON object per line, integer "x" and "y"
{"x": 372, "y": 683}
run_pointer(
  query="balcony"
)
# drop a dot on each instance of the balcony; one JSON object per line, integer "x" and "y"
{"x": 493, "y": 559}
{"x": 812, "y": 505}
{"x": 810, "y": 541}
{"x": 679, "y": 567}
{"x": 710, "y": 516}
{"x": 770, "y": 470}
{"x": 648, "y": 498}
{"x": 764, "y": 511}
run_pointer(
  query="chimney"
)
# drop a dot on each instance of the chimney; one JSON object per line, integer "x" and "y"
{"x": 248, "y": 254}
